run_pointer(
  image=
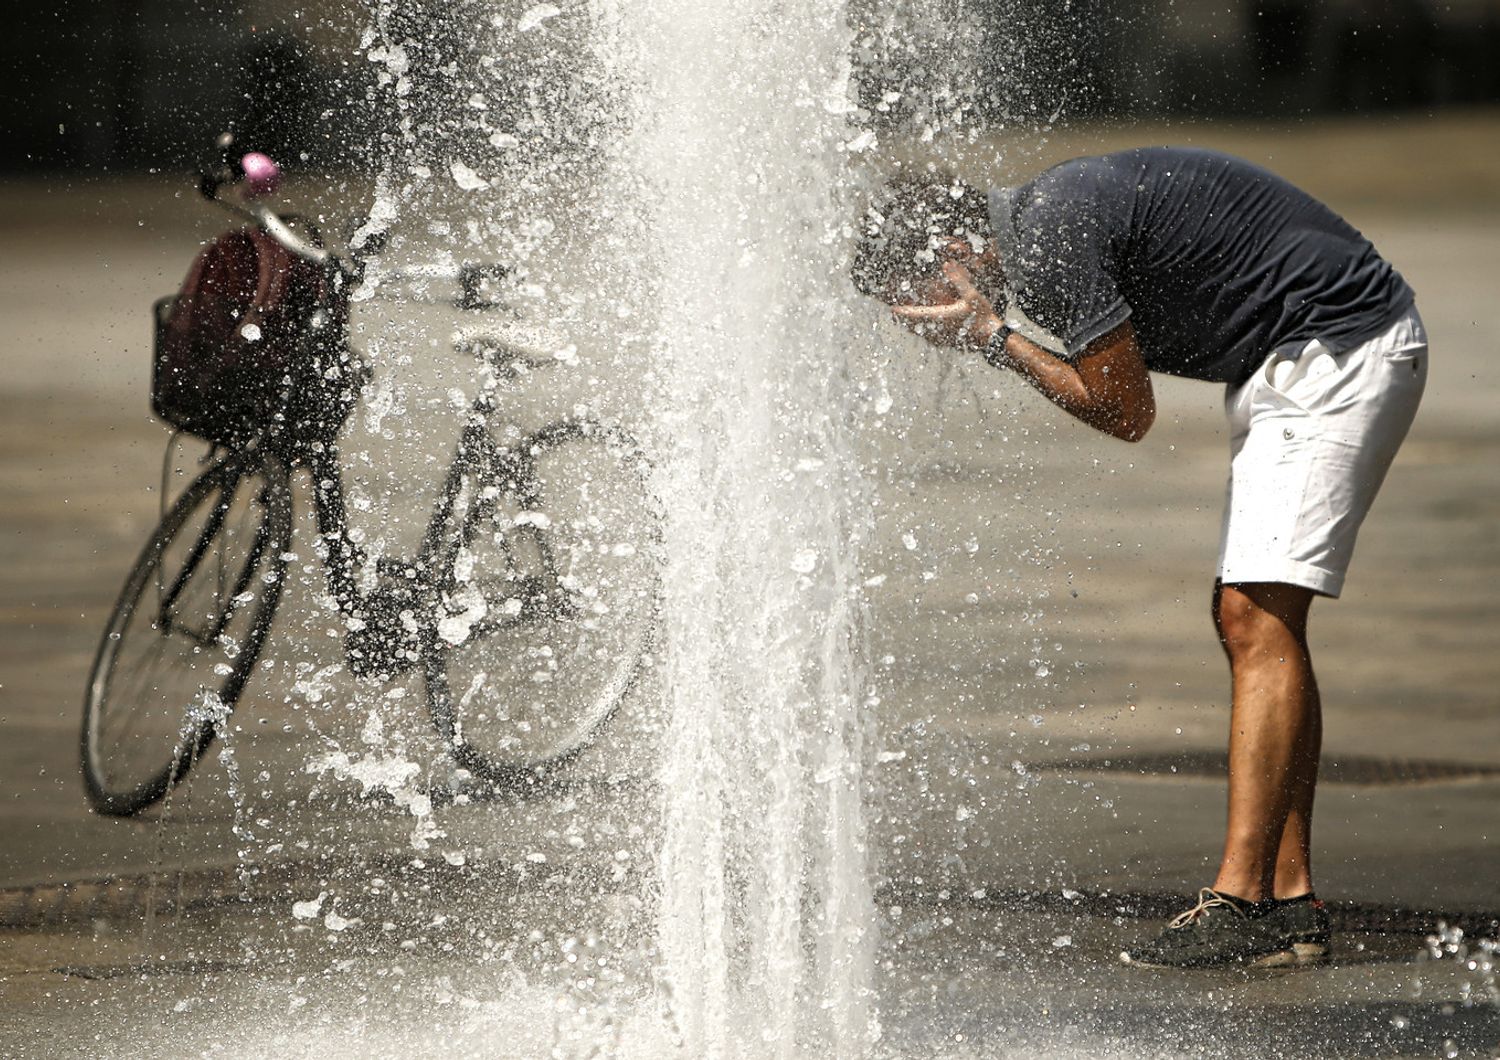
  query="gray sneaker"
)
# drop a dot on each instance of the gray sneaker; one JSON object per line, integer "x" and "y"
{"x": 1220, "y": 930}
{"x": 1303, "y": 923}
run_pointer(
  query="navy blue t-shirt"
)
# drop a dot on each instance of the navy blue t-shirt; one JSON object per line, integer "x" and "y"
{"x": 1215, "y": 261}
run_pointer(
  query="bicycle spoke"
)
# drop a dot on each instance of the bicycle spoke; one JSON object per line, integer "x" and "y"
{"x": 177, "y": 654}
{"x": 566, "y": 586}
{"x": 122, "y": 738}
{"x": 138, "y": 678}
{"x": 134, "y": 718}
{"x": 196, "y": 553}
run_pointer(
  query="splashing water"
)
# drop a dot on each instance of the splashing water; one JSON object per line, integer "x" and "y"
{"x": 766, "y": 916}
{"x": 719, "y": 230}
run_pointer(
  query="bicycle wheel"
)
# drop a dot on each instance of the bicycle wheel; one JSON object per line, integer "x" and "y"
{"x": 552, "y": 603}
{"x": 185, "y": 633}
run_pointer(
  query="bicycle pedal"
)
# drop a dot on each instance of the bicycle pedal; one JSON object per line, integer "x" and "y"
{"x": 396, "y": 571}
{"x": 390, "y": 641}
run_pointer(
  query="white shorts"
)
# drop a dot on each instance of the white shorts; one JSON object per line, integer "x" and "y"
{"x": 1312, "y": 434}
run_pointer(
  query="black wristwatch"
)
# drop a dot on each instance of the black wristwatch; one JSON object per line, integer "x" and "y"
{"x": 994, "y": 350}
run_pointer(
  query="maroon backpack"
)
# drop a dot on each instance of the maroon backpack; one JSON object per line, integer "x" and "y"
{"x": 254, "y": 345}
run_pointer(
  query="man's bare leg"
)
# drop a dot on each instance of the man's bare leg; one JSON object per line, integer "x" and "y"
{"x": 1274, "y": 742}
{"x": 1294, "y": 856}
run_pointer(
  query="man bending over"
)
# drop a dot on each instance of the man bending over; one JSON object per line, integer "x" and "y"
{"x": 1197, "y": 264}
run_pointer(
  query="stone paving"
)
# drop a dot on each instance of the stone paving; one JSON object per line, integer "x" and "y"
{"x": 1054, "y": 613}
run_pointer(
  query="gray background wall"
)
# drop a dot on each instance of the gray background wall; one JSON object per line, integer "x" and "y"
{"x": 138, "y": 83}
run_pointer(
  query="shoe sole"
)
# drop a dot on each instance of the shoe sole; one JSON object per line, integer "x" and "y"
{"x": 1299, "y": 955}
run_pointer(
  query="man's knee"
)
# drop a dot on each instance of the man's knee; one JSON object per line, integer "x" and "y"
{"x": 1258, "y": 619}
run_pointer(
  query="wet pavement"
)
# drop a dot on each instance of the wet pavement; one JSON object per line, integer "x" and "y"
{"x": 1053, "y": 700}
{"x": 953, "y": 981}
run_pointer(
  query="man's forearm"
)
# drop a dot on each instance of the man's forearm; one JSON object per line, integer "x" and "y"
{"x": 1059, "y": 382}
{"x": 1109, "y": 387}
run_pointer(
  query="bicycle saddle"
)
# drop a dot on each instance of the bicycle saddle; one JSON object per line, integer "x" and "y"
{"x": 505, "y": 343}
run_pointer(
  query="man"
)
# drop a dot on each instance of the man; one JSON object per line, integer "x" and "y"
{"x": 1197, "y": 264}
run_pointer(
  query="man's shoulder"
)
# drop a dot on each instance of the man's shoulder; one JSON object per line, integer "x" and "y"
{"x": 1078, "y": 192}
{"x": 1088, "y": 178}
{"x": 1114, "y": 185}
{"x": 1097, "y": 197}
{"x": 1144, "y": 161}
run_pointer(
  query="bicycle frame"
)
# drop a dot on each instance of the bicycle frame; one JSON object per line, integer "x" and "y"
{"x": 389, "y": 623}
{"x": 487, "y": 561}
{"x": 386, "y": 627}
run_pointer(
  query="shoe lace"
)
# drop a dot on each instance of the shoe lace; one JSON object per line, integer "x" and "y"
{"x": 1208, "y": 898}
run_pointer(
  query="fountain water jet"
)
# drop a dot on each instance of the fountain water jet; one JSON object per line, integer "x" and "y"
{"x": 766, "y": 916}
{"x": 723, "y": 146}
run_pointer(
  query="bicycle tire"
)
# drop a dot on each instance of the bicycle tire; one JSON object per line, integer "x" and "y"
{"x": 503, "y": 752}
{"x": 205, "y": 632}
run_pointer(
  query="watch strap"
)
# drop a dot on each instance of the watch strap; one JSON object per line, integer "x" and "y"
{"x": 994, "y": 350}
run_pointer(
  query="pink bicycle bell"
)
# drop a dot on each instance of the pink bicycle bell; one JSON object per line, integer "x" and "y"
{"x": 262, "y": 174}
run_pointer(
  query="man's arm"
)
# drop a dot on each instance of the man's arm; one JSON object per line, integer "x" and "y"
{"x": 1108, "y": 387}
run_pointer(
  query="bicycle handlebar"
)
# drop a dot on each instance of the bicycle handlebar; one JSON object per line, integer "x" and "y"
{"x": 262, "y": 174}
{"x": 278, "y": 230}
{"x": 258, "y": 175}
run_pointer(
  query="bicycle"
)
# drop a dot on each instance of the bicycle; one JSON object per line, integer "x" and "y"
{"x": 528, "y": 611}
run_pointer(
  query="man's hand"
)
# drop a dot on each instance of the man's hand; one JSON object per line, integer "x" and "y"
{"x": 1107, "y": 386}
{"x": 952, "y": 312}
